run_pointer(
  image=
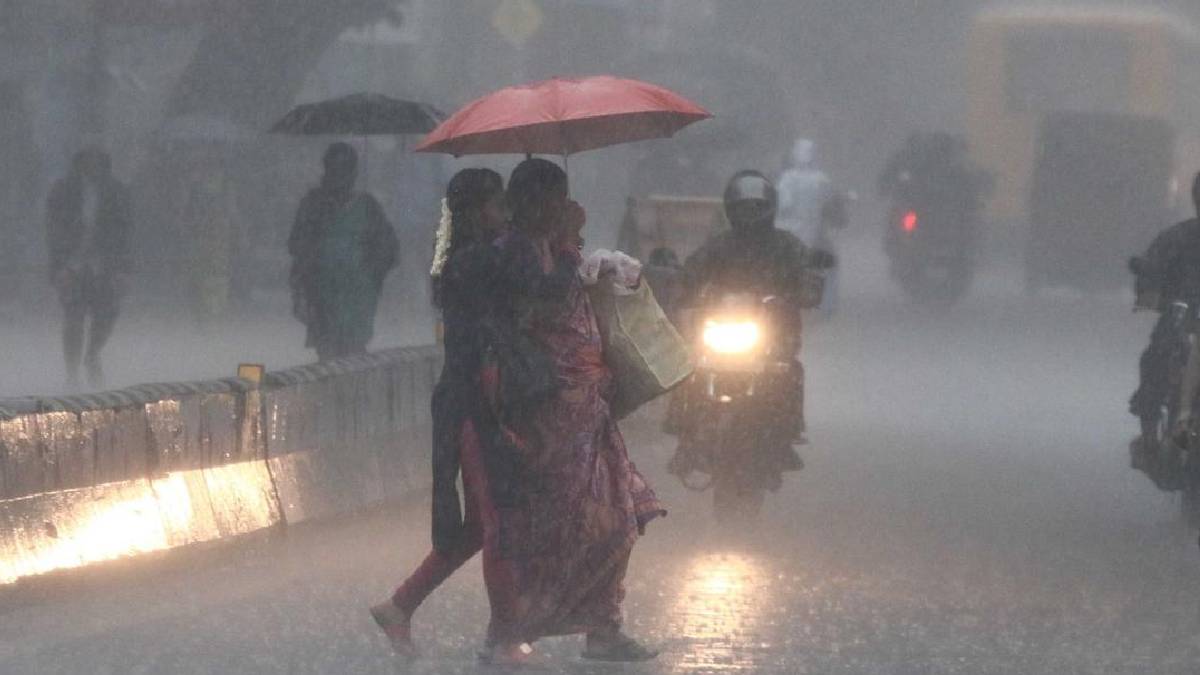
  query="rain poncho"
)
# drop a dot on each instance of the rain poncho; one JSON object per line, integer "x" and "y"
{"x": 803, "y": 193}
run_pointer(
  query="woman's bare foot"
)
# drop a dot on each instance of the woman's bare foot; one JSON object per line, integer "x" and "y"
{"x": 396, "y": 624}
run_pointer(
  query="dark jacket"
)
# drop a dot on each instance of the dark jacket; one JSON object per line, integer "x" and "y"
{"x": 1171, "y": 266}
{"x": 770, "y": 262}
{"x": 114, "y": 225}
{"x": 316, "y": 213}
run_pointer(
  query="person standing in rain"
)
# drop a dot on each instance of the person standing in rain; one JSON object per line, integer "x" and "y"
{"x": 803, "y": 192}
{"x": 809, "y": 205}
{"x": 342, "y": 248}
{"x": 88, "y": 235}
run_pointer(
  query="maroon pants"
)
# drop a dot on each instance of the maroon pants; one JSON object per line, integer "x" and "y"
{"x": 481, "y": 530}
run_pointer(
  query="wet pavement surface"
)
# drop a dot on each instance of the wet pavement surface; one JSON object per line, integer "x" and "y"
{"x": 967, "y": 507}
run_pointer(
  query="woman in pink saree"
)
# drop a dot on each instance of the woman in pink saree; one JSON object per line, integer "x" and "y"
{"x": 584, "y": 503}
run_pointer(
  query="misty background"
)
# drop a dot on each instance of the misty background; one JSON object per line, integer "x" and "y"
{"x": 166, "y": 85}
{"x": 967, "y": 504}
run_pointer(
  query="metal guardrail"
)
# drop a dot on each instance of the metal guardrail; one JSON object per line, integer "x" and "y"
{"x": 96, "y": 477}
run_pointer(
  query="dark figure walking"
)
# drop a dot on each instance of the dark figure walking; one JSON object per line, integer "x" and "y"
{"x": 342, "y": 247}
{"x": 584, "y": 503}
{"x": 88, "y": 233}
{"x": 466, "y": 280}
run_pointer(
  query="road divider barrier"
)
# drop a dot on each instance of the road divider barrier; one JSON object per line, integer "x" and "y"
{"x": 87, "y": 479}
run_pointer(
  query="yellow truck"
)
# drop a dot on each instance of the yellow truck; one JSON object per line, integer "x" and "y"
{"x": 1026, "y": 62}
{"x": 1089, "y": 119}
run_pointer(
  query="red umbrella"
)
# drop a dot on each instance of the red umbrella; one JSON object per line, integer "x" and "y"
{"x": 563, "y": 116}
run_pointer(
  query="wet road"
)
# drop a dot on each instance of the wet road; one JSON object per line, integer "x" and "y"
{"x": 967, "y": 508}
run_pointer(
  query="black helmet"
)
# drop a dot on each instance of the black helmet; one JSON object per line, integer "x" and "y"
{"x": 750, "y": 201}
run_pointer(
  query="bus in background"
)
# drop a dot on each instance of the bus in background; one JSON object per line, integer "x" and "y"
{"x": 1031, "y": 68}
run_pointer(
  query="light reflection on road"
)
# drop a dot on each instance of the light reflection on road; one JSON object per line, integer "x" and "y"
{"x": 719, "y": 613}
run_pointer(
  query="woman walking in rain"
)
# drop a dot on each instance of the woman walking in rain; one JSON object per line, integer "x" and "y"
{"x": 342, "y": 247}
{"x": 466, "y": 431}
{"x": 585, "y": 503}
{"x": 545, "y": 466}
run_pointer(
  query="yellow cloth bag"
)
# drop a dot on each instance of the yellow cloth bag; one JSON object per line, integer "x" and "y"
{"x": 645, "y": 352}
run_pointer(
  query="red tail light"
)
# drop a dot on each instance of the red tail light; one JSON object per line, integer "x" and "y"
{"x": 909, "y": 221}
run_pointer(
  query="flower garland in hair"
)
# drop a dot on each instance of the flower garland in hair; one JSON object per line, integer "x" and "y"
{"x": 445, "y": 231}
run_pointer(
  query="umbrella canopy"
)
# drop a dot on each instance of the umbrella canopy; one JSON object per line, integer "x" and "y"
{"x": 360, "y": 115}
{"x": 563, "y": 116}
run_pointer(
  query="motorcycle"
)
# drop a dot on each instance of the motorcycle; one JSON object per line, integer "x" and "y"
{"x": 1168, "y": 450}
{"x": 744, "y": 404}
{"x": 1185, "y": 446}
{"x": 930, "y": 246}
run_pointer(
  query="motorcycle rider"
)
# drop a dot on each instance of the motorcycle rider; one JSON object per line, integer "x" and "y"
{"x": 931, "y": 230}
{"x": 756, "y": 256}
{"x": 934, "y": 162}
{"x": 934, "y": 168}
{"x": 1168, "y": 272}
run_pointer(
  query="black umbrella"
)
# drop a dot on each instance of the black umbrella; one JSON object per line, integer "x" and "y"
{"x": 360, "y": 115}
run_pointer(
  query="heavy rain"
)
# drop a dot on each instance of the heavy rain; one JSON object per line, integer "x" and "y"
{"x": 876, "y": 351}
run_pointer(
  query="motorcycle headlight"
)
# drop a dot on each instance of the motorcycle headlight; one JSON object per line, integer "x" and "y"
{"x": 731, "y": 337}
